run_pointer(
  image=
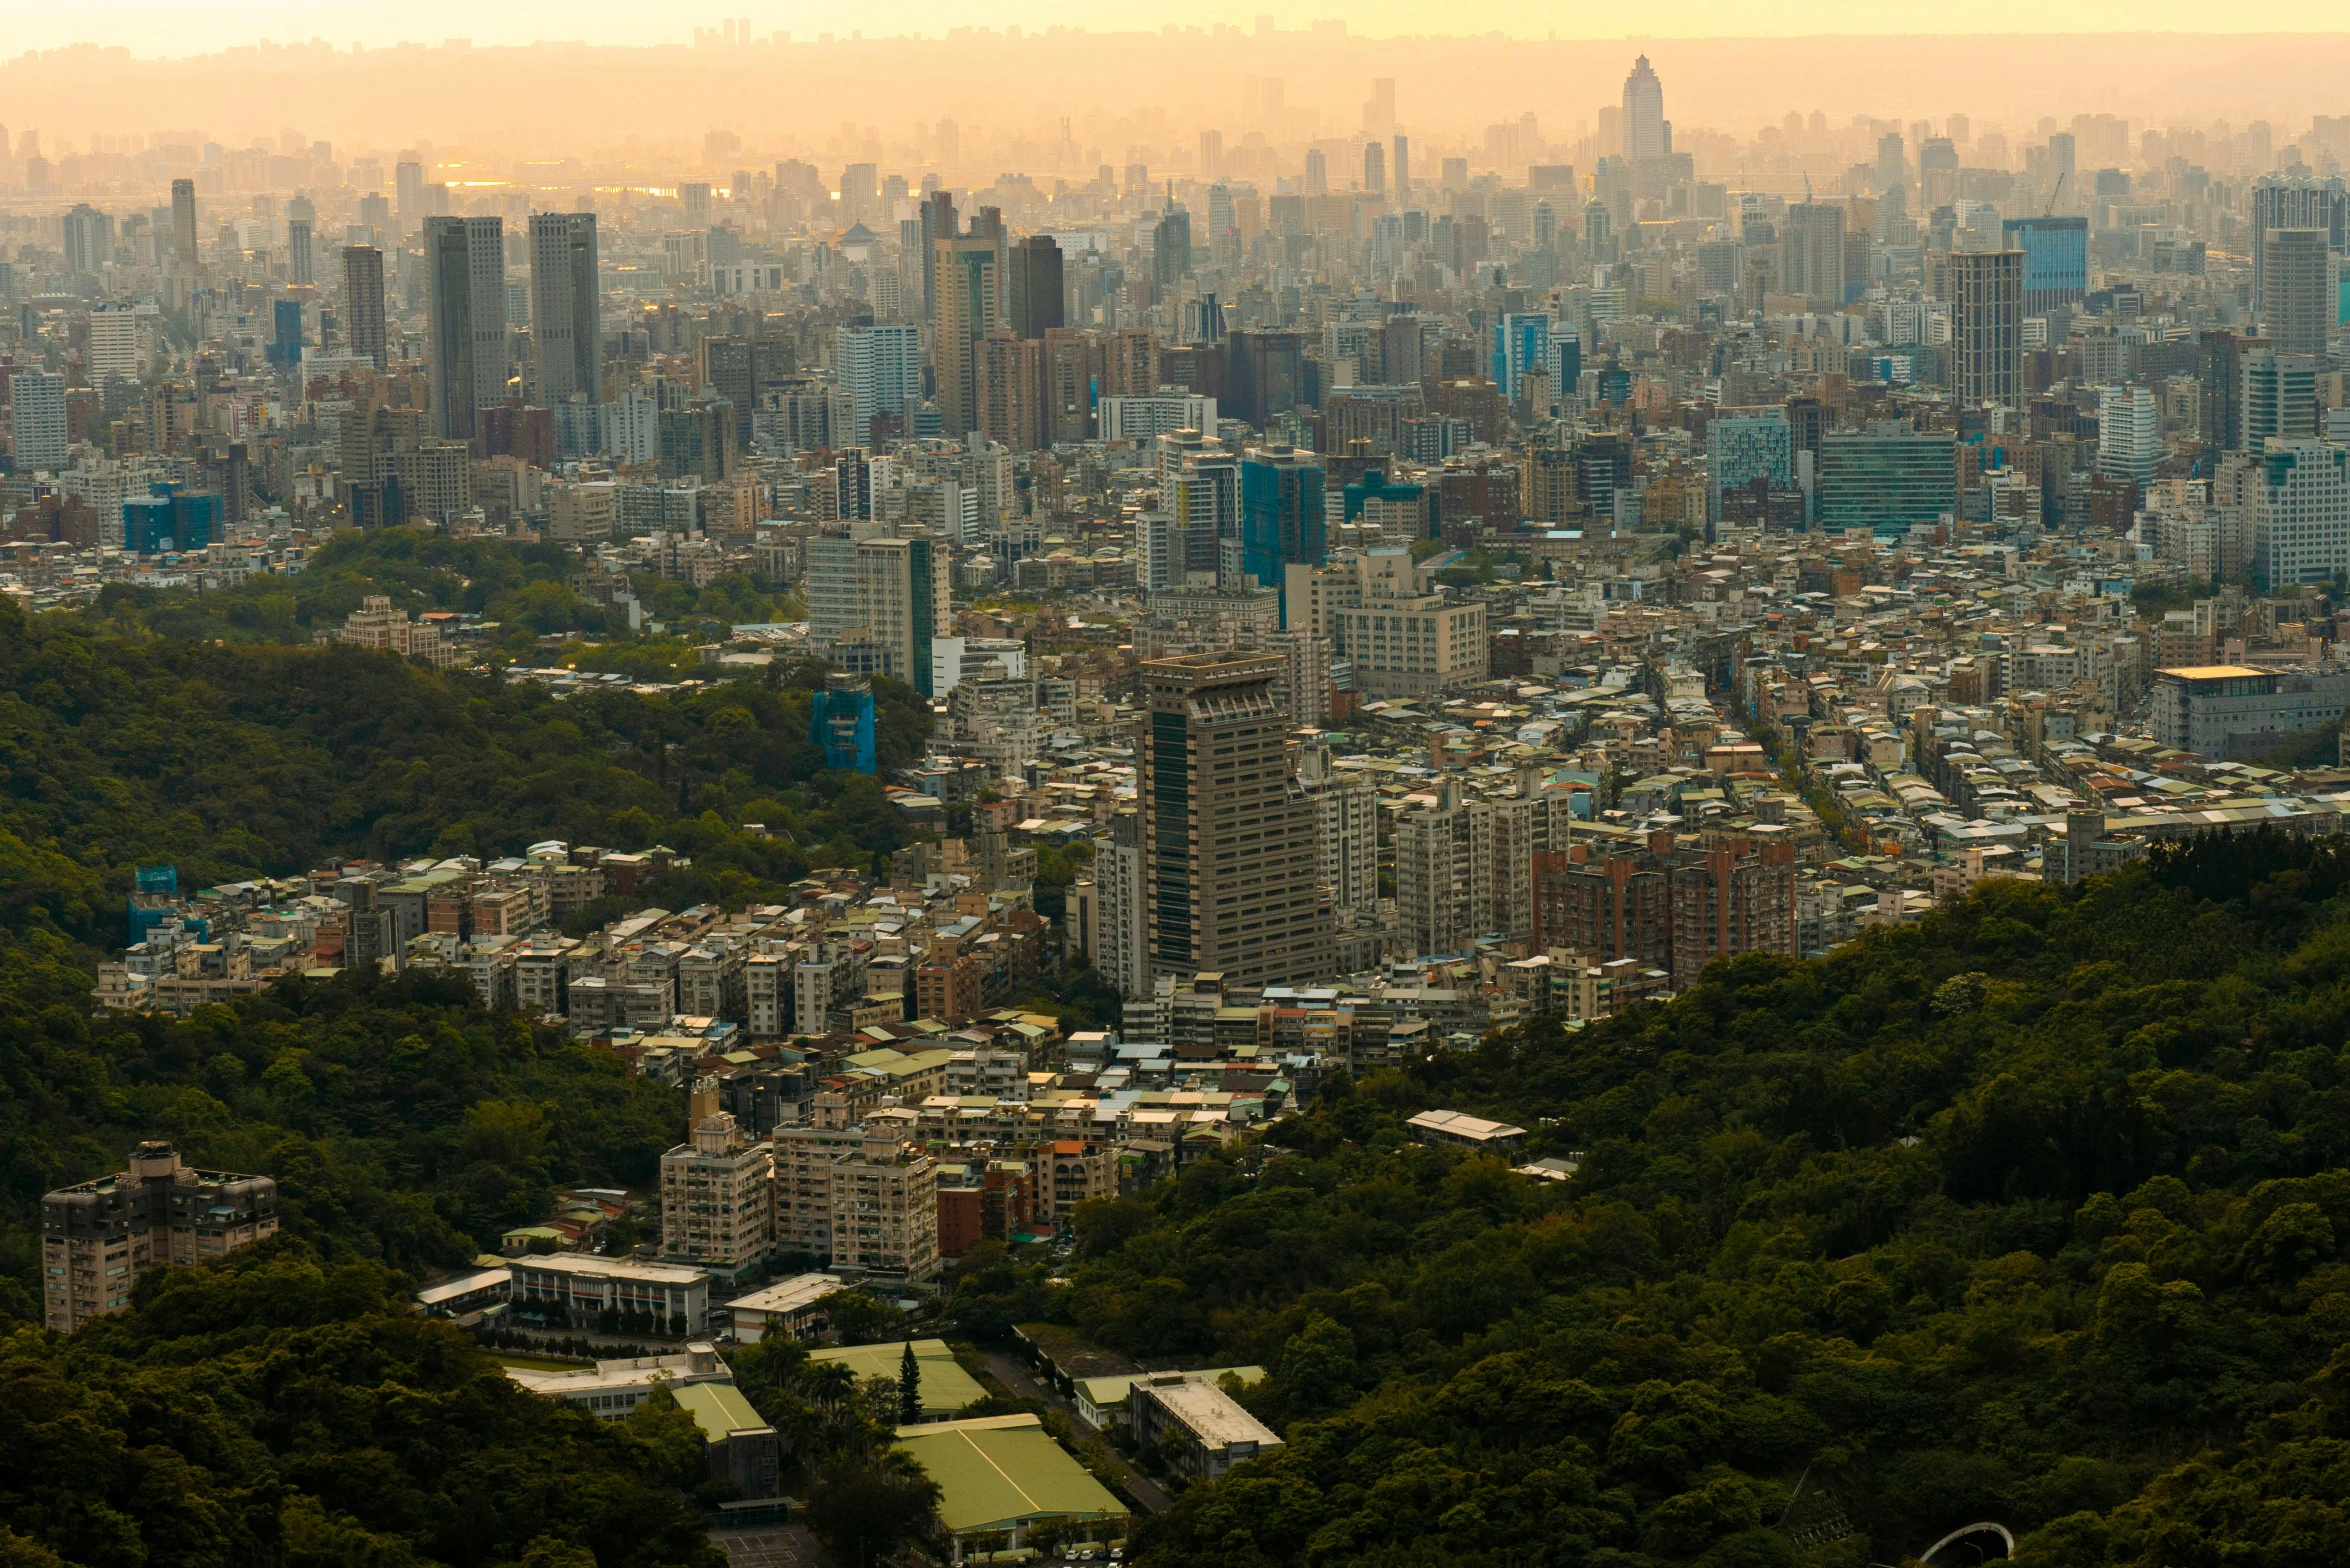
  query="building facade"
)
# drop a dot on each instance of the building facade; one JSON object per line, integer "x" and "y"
{"x": 98, "y": 1237}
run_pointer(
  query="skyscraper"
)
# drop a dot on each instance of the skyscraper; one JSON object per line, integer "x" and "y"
{"x": 1281, "y": 508}
{"x": 879, "y": 365}
{"x": 183, "y": 225}
{"x": 566, "y": 327}
{"x": 301, "y": 266}
{"x": 1036, "y": 286}
{"x": 883, "y": 591}
{"x": 465, "y": 281}
{"x": 1987, "y": 327}
{"x": 970, "y": 294}
{"x": 2288, "y": 201}
{"x": 1646, "y": 135}
{"x": 1812, "y": 263}
{"x": 1403, "y": 167}
{"x": 1374, "y": 169}
{"x": 2294, "y": 308}
{"x": 1231, "y": 840}
{"x": 1170, "y": 249}
{"x": 89, "y": 240}
{"x": 36, "y": 420}
{"x": 2129, "y": 434}
{"x": 363, "y": 302}
{"x": 2056, "y": 260}
{"x": 2278, "y": 397}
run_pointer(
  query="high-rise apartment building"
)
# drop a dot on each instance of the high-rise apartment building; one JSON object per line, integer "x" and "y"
{"x": 2296, "y": 303}
{"x": 465, "y": 285}
{"x": 36, "y": 421}
{"x": 1670, "y": 905}
{"x": 1464, "y": 867}
{"x": 969, "y": 287}
{"x": 1231, "y": 840}
{"x": 1986, "y": 290}
{"x": 1346, "y": 818}
{"x": 2296, "y": 496}
{"x": 363, "y": 302}
{"x": 114, "y": 345}
{"x": 1170, "y": 250}
{"x": 1118, "y": 937}
{"x": 717, "y": 1192}
{"x": 98, "y": 1237}
{"x": 856, "y": 1196}
{"x": 566, "y": 321}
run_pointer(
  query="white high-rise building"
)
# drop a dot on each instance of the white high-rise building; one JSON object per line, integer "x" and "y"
{"x": 717, "y": 1191}
{"x": 114, "y": 345}
{"x": 879, "y": 365}
{"x": 2297, "y": 498}
{"x": 36, "y": 420}
{"x": 2129, "y": 434}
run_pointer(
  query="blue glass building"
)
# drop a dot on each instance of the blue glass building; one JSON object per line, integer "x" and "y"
{"x": 1280, "y": 515}
{"x": 841, "y": 722}
{"x": 170, "y": 519}
{"x": 2056, "y": 260}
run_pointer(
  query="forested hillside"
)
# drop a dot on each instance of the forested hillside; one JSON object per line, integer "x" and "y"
{"x": 524, "y": 589}
{"x": 278, "y": 1410}
{"x": 2033, "y": 1213}
{"x": 233, "y": 760}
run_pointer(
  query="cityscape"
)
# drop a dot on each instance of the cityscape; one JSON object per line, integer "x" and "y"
{"x": 1203, "y": 796}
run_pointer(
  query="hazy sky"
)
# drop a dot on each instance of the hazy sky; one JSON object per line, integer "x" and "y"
{"x": 173, "y": 27}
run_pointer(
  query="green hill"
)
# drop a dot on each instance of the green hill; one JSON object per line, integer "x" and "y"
{"x": 2032, "y": 1213}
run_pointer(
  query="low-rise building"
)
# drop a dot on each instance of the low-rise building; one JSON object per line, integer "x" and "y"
{"x": 1202, "y": 1430}
{"x": 577, "y": 1289}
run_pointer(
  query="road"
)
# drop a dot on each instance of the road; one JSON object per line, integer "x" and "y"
{"x": 1015, "y": 1376}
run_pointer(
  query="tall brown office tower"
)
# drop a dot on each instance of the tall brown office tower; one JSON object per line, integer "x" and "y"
{"x": 1230, "y": 836}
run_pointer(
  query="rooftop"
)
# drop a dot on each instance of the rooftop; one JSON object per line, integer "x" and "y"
{"x": 997, "y": 1471}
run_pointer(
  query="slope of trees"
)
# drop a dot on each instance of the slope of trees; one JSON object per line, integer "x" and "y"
{"x": 523, "y": 588}
{"x": 280, "y": 1410}
{"x": 2033, "y": 1213}
{"x": 237, "y": 760}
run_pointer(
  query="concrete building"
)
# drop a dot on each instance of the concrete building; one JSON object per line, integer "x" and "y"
{"x": 566, "y": 305}
{"x": 878, "y": 594}
{"x": 36, "y": 421}
{"x": 1460, "y": 1130}
{"x": 857, "y": 1195}
{"x": 1230, "y": 839}
{"x": 1986, "y": 291}
{"x": 2219, "y": 710}
{"x": 98, "y": 1237}
{"x": 717, "y": 1193}
{"x": 465, "y": 272}
{"x": 1202, "y": 1430}
{"x": 581, "y": 1288}
{"x": 1672, "y": 906}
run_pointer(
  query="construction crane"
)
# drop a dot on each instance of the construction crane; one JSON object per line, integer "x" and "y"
{"x": 2055, "y": 191}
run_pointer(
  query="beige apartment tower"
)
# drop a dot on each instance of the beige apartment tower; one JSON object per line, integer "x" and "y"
{"x": 717, "y": 1192}
{"x": 1232, "y": 842}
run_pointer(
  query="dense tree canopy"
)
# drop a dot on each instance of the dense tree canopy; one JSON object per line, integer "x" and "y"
{"x": 237, "y": 760}
{"x": 278, "y": 1410}
{"x": 2032, "y": 1213}
{"x": 524, "y": 589}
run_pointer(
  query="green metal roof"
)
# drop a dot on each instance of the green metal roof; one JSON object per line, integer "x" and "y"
{"x": 945, "y": 1385}
{"x": 999, "y": 1471}
{"x": 717, "y": 1408}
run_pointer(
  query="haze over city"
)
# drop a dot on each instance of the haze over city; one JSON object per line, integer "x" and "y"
{"x": 873, "y": 788}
